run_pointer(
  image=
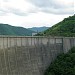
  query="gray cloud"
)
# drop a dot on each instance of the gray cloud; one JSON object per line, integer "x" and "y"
{"x": 2, "y": 13}
{"x": 47, "y": 6}
{"x": 7, "y": 8}
{"x": 6, "y": 0}
{"x": 41, "y": 3}
{"x": 19, "y": 12}
{"x": 15, "y": 11}
{"x": 58, "y": 11}
{"x": 52, "y": 6}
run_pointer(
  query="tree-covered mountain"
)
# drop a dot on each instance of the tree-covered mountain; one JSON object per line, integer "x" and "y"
{"x": 64, "y": 64}
{"x": 6, "y": 29}
{"x": 38, "y": 29}
{"x": 63, "y": 28}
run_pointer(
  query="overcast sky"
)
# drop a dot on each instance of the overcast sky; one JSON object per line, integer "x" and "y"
{"x": 35, "y": 13}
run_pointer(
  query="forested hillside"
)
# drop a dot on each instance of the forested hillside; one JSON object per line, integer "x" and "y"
{"x": 6, "y": 29}
{"x": 63, "y": 28}
{"x": 63, "y": 65}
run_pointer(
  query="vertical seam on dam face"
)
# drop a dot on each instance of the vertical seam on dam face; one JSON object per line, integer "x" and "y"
{"x": 30, "y": 55}
{"x": 5, "y": 58}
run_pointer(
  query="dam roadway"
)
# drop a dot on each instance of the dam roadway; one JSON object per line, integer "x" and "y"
{"x": 30, "y": 55}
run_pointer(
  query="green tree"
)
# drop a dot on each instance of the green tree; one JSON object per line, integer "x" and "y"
{"x": 63, "y": 65}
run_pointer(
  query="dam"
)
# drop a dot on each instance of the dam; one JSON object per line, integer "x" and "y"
{"x": 30, "y": 55}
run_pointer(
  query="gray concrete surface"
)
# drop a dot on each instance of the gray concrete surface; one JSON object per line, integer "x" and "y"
{"x": 30, "y": 55}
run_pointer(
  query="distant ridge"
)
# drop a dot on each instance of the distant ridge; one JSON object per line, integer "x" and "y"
{"x": 38, "y": 29}
{"x": 6, "y": 29}
{"x": 63, "y": 28}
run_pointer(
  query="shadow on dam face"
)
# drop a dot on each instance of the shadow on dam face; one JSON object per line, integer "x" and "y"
{"x": 27, "y": 56}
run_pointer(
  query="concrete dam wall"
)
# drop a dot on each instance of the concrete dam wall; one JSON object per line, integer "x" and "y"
{"x": 30, "y": 55}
